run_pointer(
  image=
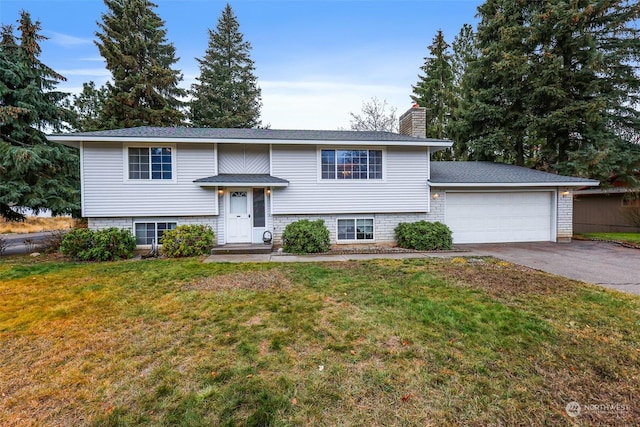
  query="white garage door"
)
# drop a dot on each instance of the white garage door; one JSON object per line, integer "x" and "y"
{"x": 477, "y": 217}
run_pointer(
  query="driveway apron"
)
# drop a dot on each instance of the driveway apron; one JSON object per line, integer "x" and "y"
{"x": 606, "y": 264}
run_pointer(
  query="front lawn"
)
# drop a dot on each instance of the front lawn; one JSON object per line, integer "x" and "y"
{"x": 633, "y": 238}
{"x": 388, "y": 342}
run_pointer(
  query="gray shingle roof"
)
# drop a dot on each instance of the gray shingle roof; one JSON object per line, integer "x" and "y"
{"x": 239, "y": 179}
{"x": 217, "y": 133}
{"x": 493, "y": 174}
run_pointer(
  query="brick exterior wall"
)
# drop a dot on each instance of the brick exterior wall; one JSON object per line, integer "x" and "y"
{"x": 564, "y": 230}
{"x": 127, "y": 222}
{"x": 414, "y": 122}
{"x": 436, "y": 213}
{"x": 384, "y": 225}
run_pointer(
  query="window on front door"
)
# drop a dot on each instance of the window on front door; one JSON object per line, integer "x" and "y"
{"x": 259, "y": 215}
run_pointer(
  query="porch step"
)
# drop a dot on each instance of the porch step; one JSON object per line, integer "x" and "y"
{"x": 242, "y": 248}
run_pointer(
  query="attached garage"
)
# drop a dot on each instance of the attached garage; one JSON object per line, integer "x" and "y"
{"x": 485, "y": 202}
{"x": 509, "y": 216}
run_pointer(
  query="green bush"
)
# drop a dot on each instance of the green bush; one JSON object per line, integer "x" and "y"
{"x": 306, "y": 237}
{"x": 423, "y": 236}
{"x": 103, "y": 245}
{"x": 187, "y": 240}
{"x": 77, "y": 243}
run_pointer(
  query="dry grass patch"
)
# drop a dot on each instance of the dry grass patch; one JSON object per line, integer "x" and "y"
{"x": 34, "y": 224}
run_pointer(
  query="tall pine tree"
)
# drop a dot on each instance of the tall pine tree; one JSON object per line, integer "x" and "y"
{"x": 585, "y": 100}
{"x": 495, "y": 113}
{"x": 227, "y": 94}
{"x": 465, "y": 51}
{"x": 34, "y": 172}
{"x": 556, "y": 86}
{"x": 435, "y": 90}
{"x": 88, "y": 107}
{"x": 144, "y": 90}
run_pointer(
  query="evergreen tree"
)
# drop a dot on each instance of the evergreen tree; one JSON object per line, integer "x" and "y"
{"x": 88, "y": 107}
{"x": 586, "y": 94}
{"x": 144, "y": 91}
{"x": 226, "y": 95}
{"x": 34, "y": 172}
{"x": 494, "y": 116}
{"x": 556, "y": 86}
{"x": 435, "y": 90}
{"x": 465, "y": 51}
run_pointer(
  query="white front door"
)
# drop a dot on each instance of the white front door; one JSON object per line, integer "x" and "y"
{"x": 239, "y": 216}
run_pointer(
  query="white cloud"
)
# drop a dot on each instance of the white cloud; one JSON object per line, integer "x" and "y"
{"x": 89, "y": 72}
{"x": 67, "y": 40}
{"x": 321, "y": 104}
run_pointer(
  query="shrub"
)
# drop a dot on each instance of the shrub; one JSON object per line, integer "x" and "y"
{"x": 77, "y": 243}
{"x": 103, "y": 245}
{"x": 51, "y": 242}
{"x": 423, "y": 236}
{"x": 187, "y": 240}
{"x": 305, "y": 237}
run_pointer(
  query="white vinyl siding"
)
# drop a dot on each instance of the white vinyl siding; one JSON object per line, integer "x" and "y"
{"x": 108, "y": 193}
{"x": 243, "y": 158}
{"x": 404, "y": 188}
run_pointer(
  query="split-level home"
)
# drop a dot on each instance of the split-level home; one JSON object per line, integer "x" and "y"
{"x": 248, "y": 184}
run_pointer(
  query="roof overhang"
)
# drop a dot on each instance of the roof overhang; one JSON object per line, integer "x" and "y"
{"x": 242, "y": 180}
{"x": 75, "y": 141}
{"x": 509, "y": 184}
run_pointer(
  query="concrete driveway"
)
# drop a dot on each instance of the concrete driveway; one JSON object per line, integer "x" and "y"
{"x": 606, "y": 264}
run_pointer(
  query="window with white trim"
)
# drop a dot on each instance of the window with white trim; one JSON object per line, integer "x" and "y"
{"x": 355, "y": 229}
{"x": 351, "y": 164}
{"x": 155, "y": 163}
{"x": 148, "y": 232}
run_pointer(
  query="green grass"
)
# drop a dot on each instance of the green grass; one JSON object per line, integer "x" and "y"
{"x": 633, "y": 238}
{"x": 388, "y": 342}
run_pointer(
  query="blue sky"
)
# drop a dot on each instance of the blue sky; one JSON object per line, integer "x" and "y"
{"x": 316, "y": 61}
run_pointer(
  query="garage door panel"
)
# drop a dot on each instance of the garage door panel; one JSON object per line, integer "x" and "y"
{"x": 477, "y": 217}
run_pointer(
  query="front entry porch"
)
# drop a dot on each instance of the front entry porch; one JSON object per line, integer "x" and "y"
{"x": 242, "y": 249}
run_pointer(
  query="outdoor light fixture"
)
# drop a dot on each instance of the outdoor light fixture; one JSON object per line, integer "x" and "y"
{"x": 565, "y": 193}
{"x": 435, "y": 195}
{"x": 220, "y": 191}
{"x": 268, "y": 191}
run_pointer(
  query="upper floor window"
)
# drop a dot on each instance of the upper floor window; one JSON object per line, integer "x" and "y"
{"x": 150, "y": 163}
{"x": 351, "y": 164}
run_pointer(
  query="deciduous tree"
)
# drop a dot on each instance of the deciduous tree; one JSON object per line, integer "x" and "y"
{"x": 375, "y": 115}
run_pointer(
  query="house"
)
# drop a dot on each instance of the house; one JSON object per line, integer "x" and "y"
{"x": 605, "y": 210}
{"x": 245, "y": 182}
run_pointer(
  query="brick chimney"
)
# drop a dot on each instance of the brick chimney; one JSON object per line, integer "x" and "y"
{"x": 414, "y": 122}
